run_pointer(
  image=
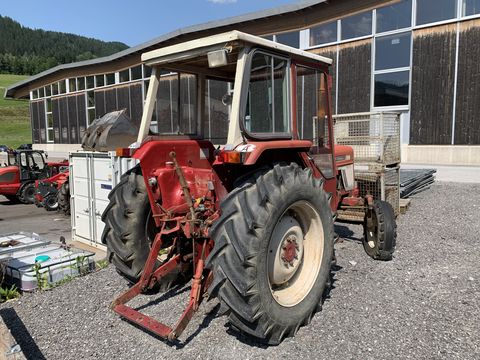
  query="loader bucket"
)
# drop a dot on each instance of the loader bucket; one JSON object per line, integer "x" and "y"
{"x": 113, "y": 130}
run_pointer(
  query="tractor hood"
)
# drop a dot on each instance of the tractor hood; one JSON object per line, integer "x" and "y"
{"x": 8, "y": 174}
{"x": 113, "y": 130}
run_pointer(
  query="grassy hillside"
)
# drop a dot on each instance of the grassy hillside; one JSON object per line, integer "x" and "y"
{"x": 14, "y": 116}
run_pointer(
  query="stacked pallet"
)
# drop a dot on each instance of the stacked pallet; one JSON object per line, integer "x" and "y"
{"x": 414, "y": 181}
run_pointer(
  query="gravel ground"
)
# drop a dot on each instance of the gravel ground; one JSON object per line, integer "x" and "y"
{"x": 422, "y": 305}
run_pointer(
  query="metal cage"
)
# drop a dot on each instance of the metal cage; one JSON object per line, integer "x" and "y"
{"x": 374, "y": 137}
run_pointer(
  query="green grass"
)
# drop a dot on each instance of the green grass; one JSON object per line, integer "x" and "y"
{"x": 14, "y": 115}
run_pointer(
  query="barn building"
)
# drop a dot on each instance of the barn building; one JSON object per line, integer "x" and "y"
{"x": 416, "y": 57}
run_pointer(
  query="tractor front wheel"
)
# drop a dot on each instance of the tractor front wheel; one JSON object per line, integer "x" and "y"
{"x": 380, "y": 231}
{"x": 51, "y": 202}
{"x": 27, "y": 193}
{"x": 273, "y": 252}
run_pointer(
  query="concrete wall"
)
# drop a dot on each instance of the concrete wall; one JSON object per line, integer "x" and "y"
{"x": 441, "y": 155}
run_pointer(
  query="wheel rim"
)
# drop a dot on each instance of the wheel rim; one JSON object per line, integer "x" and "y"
{"x": 295, "y": 254}
{"x": 30, "y": 194}
{"x": 372, "y": 232}
{"x": 51, "y": 202}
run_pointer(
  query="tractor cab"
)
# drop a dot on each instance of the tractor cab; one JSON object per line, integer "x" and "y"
{"x": 31, "y": 164}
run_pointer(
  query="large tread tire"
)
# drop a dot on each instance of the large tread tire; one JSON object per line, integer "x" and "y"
{"x": 27, "y": 193}
{"x": 126, "y": 234}
{"x": 51, "y": 202}
{"x": 380, "y": 240}
{"x": 63, "y": 198}
{"x": 239, "y": 258}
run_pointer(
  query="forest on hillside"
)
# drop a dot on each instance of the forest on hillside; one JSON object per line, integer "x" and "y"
{"x": 26, "y": 51}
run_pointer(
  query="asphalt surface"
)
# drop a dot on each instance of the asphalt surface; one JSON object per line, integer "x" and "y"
{"x": 422, "y": 305}
{"x": 15, "y": 217}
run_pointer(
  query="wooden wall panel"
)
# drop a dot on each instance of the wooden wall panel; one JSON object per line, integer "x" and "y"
{"x": 57, "y": 126}
{"x": 111, "y": 100}
{"x": 136, "y": 103}
{"x": 331, "y": 53}
{"x": 81, "y": 115}
{"x": 467, "y": 123}
{"x": 433, "y": 76}
{"x": 123, "y": 99}
{"x": 73, "y": 119}
{"x": 354, "y": 77}
{"x": 63, "y": 113}
{"x": 42, "y": 120}
{"x": 35, "y": 122}
{"x": 99, "y": 103}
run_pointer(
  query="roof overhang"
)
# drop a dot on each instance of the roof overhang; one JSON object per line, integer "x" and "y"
{"x": 305, "y": 11}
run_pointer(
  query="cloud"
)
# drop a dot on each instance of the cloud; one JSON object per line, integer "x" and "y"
{"x": 222, "y": 1}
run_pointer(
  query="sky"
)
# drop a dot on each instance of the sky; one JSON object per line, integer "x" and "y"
{"x": 131, "y": 22}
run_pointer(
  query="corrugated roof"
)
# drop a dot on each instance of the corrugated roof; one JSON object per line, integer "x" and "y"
{"x": 278, "y": 11}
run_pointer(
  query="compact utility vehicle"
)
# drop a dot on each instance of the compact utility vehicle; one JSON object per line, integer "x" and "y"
{"x": 252, "y": 216}
{"x": 21, "y": 170}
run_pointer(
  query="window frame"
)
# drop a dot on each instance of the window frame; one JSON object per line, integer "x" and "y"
{"x": 244, "y": 95}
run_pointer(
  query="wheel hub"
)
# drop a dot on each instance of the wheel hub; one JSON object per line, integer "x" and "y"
{"x": 287, "y": 245}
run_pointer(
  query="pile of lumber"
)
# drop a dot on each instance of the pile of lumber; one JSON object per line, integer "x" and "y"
{"x": 413, "y": 181}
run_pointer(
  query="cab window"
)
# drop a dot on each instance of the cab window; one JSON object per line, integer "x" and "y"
{"x": 267, "y": 110}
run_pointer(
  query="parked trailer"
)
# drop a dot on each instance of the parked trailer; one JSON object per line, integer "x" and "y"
{"x": 92, "y": 176}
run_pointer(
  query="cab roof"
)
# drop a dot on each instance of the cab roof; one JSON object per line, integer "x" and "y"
{"x": 232, "y": 40}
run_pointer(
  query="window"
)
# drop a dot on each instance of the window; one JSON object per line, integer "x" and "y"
{"x": 392, "y": 51}
{"x": 90, "y": 107}
{"x": 312, "y": 116}
{"x": 267, "y": 109}
{"x": 124, "y": 75}
{"x": 268, "y": 37}
{"x": 35, "y": 94}
{"x": 136, "y": 72}
{"x": 62, "y": 85}
{"x": 55, "y": 89}
{"x": 41, "y": 92}
{"x": 357, "y": 26}
{"x": 36, "y": 161}
{"x": 81, "y": 83}
{"x": 391, "y": 89}
{"x": 147, "y": 71}
{"x": 470, "y": 7}
{"x": 49, "y": 119}
{"x": 100, "y": 80}
{"x": 291, "y": 39}
{"x": 394, "y": 17}
{"x": 48, "y": 90}
{"x": 72, "y": 85}
{"x": 90, "y": 82}
{"x": 323, "y": 34}
{"x": 110, "y": 78}
{"x": 430, "y": 11}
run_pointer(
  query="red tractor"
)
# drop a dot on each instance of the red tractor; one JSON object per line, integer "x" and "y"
{"x": 49, "y": 190}
{"x": 21, "y": 170}
{"x": 251, "y": 219}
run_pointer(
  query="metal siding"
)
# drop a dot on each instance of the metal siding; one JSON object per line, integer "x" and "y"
{"x": 467, "y": 126}
{"x": 354, "y": 77}
{"x": 136, "y": 103}
{"x": 433, "y": 76}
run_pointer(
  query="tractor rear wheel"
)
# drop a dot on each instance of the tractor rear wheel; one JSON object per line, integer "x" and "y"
{"x": 63, "y": 198}
{"x": 130, "y": 230}
{"x": 273, "y": 252}
{"x": 380, "y": 231}
{"x": 51, "y": 202}
{"x": 27, "y": 193}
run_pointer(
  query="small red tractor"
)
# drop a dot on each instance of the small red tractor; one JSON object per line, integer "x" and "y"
{"x": 21, "y": 170}
{"x": 250, "y": 219}
{"x": 49, "y": 191}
